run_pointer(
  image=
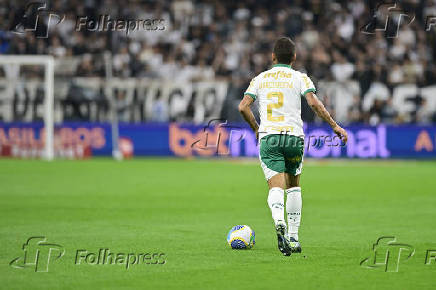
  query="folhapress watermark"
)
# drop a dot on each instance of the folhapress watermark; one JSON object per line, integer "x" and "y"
{"x": 38, "y": 254}
{"x": 37, "y": 19}
{"x": 105, "y": 23}
{"x": 389, "y": 17}
{"x": 107, "y": 257}
{"x": 218, "y": 135}
{"x": 387, "y": 254}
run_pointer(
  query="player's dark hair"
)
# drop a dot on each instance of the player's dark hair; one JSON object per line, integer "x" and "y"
{"x": 284, "y": 49}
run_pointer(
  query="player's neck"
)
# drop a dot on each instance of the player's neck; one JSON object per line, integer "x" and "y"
{"x": 276, "y": 64}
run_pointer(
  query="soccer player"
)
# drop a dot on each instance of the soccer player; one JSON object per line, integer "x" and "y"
{"x": 281, "y": 136}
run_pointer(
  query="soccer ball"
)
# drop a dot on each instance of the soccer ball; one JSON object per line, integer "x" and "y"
{"x": 241, "y": 237}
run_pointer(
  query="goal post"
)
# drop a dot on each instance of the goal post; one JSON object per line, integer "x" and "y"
{"x": 116, "y": 153}
{"x": 48, "y": 62}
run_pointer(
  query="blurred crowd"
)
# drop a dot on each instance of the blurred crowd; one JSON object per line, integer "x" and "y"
{"x": 232, "y": 40}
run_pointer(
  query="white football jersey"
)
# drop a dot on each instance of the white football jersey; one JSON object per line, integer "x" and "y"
{"x": 279, "y": 91}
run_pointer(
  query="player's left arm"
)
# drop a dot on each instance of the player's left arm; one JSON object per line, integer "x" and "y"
{"x": 308, "y": 91}
{"x": 318, "y": 107}
{"x": 247, "y": 114}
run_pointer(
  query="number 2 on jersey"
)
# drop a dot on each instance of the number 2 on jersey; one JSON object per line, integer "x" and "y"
{"x": 272, "y": 106}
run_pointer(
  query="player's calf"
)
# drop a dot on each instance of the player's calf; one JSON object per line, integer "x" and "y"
{"x": 293, "y": 211}
{"x": 276, "y": 203}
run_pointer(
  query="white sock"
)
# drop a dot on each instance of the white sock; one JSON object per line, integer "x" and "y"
{"x": 293, "y": 210}
{"x": 276, "y": 201}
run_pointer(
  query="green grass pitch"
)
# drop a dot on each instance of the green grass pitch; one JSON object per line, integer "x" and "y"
{"x": 184, "y": 209}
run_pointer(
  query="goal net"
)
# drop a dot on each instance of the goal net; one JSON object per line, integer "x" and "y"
{"x": 26, "y": 96}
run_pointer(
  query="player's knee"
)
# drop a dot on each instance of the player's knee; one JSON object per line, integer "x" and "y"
{"x": 277, "y": 181}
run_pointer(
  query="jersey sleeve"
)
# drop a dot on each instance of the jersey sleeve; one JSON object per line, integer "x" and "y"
{"x": 252, "y": 89}
{"x": 306, "y": 85}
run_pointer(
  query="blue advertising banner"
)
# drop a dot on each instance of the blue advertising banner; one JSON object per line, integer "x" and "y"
{"x": 175, "y": 139}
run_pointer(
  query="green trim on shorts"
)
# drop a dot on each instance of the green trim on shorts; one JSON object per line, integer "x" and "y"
{"x": 281, "y": 152}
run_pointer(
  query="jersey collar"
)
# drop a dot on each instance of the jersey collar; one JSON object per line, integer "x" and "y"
{"x": 282, "y": 65}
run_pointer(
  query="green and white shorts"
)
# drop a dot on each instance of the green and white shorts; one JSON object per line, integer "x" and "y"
{"x": 281, "y": 153}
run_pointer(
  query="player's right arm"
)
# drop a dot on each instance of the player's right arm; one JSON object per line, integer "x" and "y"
{"x": 250, "y": 96}
{"x": 318, "y": 107}
{"x": 247, "y": 114}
